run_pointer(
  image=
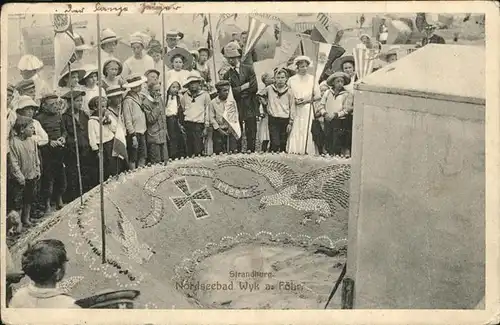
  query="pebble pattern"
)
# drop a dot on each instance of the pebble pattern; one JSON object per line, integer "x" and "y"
{"x": 192, "y": 198}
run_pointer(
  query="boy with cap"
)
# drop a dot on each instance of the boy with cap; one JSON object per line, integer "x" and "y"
{"x": 224, "y": 140}
{"x": 156, "y": 120}
{"x": 172, "y": 38}
{"x": 140, "y": 62}
{"x": 53, "y": 174}
{"x": 45, "y": 264}
{"x": 25, "y": 167}
{"x": 27, "y": 107}
{"x": 195, "y": 104}
{"x": 120, "y": 154}
{"x": 135, "y": 121}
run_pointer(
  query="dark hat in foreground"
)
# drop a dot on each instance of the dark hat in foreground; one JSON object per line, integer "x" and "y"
{"x": 134, "y": 80}
{"x": 222, "y": 83}
{"x": 115, "y": 90}
{"x": 72, "y": 93}
{"x": 25, "y": 85}
{"x": 152, "y": 70}
{"x": 110, "y": 299}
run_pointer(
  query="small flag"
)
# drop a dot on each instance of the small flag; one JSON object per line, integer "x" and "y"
{"x": 230, "y": 115}
{"x": 325, "y": 28}
{"x": 363, "y": 61}
{"x": 119, "y": 141}
{"x": 225, "y": 17}
{"x": 256, "y": 29}
{"x": 322, "y": 58}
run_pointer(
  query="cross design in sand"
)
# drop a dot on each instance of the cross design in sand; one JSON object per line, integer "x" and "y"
{"x": 191, "y": 197}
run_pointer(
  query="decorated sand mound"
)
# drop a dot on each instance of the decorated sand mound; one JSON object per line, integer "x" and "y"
{"x": 228, "y": 231}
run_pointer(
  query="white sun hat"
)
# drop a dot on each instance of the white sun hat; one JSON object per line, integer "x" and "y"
{"x": 29, "y": 62}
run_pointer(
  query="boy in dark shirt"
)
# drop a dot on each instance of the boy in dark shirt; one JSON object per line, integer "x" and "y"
{"x": 53, "y": 173}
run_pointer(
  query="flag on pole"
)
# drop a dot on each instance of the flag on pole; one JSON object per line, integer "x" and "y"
{"x": 119, "y": 142}
{"x": 290, "y": 41}
{"x": 363, "y": 61}
{"x": 230, "y": 115}
{"x": 64, "y": 44}
{"x": 323, "y": 54}
{"x": 223, "y": 18}
{"x": 324, "y": 30}
{"x": 255, "y": 30}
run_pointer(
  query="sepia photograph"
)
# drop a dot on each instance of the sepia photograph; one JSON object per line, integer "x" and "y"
{"x": 243, "y": 161}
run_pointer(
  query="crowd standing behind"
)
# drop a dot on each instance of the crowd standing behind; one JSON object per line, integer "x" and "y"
{"x": 54, "y": 135}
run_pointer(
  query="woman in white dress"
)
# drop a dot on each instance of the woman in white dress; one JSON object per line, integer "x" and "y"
{"x": 300, "y": 140}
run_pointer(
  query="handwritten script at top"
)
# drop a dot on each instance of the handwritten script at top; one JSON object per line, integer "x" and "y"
{"x": 158, "y": 7}
{"x": 117, "y": 9}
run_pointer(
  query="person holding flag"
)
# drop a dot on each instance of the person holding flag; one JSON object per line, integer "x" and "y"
{"x": 244, "y": 87}
{"x": 224, "y": 119}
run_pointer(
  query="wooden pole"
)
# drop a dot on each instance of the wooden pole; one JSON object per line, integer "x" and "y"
{"x": 163, "y": 54}
{"x": 309, "y": 122}
{"x": 101, "y": 149}
{"x": 78, "y": 166}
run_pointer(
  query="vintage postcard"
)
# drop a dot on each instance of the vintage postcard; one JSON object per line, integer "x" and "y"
{"x": 250, "y": 163}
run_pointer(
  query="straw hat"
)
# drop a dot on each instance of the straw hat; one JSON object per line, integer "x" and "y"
{"x": 193, "y": 76}
{"x": 108, "y": 36}
{"x": 62, "y": 78}
{"x": 105, "y": 65}
{"x": 89, "y": 70}
{"x": 336, "y": 75}
{"x": 365, "y": 35}
{"x": 134, "y": 80}
{"x": 136, "y": 38}
{"x": 302, "y": 58}
{"x": 232, "y": 50}
{"x": 174, "y": 34}
{"x": 68, "y": 93}
{"x": 80, "y": 43}
{"x": 115, "y": 90}
{"x": 29, "y": 62}
{"x": 24, "y": 102}
{"x": 337, "y": 64}
{"x": 25, "y": 85}
{"x": 393, "y": 50}
{"x": 118, "y": 299}
{"x": 152, "y": 70}
{"x": 179, "y": 51}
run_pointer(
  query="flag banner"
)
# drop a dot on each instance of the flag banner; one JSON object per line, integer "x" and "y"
{"x": 323, "y": 50}
{"x": 255, "y": 30}
{"x": 119, "y": 143}
{"x": 64, "y": 44}
{"x": 326, "y": 29}
{"x": 223, "y": 18}
{"x": 363, "y": 61}
{"x": 289, "y": 44}
{"x": 231, "y": 116}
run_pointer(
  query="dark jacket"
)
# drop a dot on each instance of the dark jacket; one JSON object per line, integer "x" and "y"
{"x": 246, "y": 100}
{"x": 82, "y": 132}
{"x": 156, "y": 121}
{"x": 434, "y": 39}
{"x": 52, "y": 124}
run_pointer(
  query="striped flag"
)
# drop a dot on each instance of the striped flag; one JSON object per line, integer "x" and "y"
{"x": 256, "y": 29}
{"x": 64, "y": 44}
{"x": 322, "y": 58}
{"x": 230, "y": 115}
{"x": 363, "y": 61}
{"x": 326, "y": 29}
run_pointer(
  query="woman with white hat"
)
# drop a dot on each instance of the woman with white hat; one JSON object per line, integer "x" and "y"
{"x": 140, "y": 62}
{"x": 29, "y": 67}
{"x": 90, "y": 86}
{"x": 305, "y": 92}
{"x": 81, "y": 46}
{"x": 109, "y": 41}
{"x": 172, "y": 38}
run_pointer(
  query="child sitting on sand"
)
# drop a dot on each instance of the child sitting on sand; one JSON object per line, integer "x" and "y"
{"x": 45, "y": 264}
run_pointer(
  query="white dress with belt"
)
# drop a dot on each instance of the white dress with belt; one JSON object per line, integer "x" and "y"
{"x": 300, "y": 140}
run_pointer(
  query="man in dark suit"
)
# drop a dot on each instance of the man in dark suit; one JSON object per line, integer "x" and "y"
{"x": 244, "y": 86}
{"x": 430, "y": 37}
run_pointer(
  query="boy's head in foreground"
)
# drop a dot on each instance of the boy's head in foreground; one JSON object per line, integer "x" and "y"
{"x": 45, "y": 262}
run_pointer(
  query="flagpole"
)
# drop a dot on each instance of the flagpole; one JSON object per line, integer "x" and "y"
{"x": 309, "y": 122}
{"x": 78, "y": 166}
{"x": 165, "y": 95}
{"x": 101, "y": 150}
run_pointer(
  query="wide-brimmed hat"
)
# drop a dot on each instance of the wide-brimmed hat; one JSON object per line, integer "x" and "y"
{"x": 24, "y": 102}
{"x": 302, "y": 58}
{"x": 120, "y": 66}
{"x": 115, "y": 90}
{"x": 337, "y": 64}
{"x": 25, "y": 85}
{"x": 336, "y": 75}
{"x": 137, "y": 38}
{"x": 29, "y": 62}
{"x": 393, "y": 50}
{"x": 232, "y": 50}
{"x": 108, "y": 36}
{"x": 76, "y": 68}
{"x": 80, "y": 43}
{"x": 151, "y": 70}
{"x": 89, "y": 70}
{"x": 363, "y": 35}
{"x": 134, "y": 80}
{"x": 206, "y": 49}
{"x": 195, "y": 54}
{"x": 68, "y": 93}
{"x": 193, "y": 76}
{"x": 179, "y": 51}
{"x": 109, "y": 299}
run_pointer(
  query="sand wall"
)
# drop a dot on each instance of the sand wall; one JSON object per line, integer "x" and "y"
{"x": 416, "y": 227}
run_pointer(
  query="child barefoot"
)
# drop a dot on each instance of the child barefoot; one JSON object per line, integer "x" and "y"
{"x": 25, "y": 163}
{"x": 45, "y": 264}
